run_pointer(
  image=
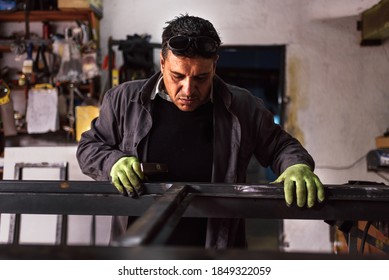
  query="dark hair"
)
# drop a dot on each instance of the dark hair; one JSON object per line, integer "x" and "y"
{"x": 188, "y": 26}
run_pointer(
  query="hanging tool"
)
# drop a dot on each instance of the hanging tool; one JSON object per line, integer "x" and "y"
{"x": 18, "y": 47}
{"x": 27, "y": 6}
{"x": 28, "y": 62}
{"x": 7, "y": 111}
{"x": 70, "y": 114}
{"x": 71, "y": 64}
{"x": 28, "y": 75}
{"x": 40, "y": 65}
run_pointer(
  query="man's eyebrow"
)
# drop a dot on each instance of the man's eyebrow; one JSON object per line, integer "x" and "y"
{"x": 199, "y": 75}
{"x": 176, "y": 73}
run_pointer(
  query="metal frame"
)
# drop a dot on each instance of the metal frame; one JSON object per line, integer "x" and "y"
{"x": 62, "y": 220}
{"x": 164, "y": 204}
{"x": 62, "y": 166}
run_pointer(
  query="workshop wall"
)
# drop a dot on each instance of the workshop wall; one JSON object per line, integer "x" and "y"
{"x": 338, "y": 90}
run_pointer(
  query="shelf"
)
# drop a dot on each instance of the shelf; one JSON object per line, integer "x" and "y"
{"x": 4, "y": 48}
{"x": 42, "y": 16}
{"x": 68, "y": 15}
{"x": 5, "y": 44}
{"x": 22, "y": 139}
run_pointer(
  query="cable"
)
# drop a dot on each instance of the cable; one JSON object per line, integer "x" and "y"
{"x": 364, "y": 236}
{"x": 341, "y": 167}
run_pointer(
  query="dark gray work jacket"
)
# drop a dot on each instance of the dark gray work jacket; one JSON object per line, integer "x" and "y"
{"x": 242, "y": 127}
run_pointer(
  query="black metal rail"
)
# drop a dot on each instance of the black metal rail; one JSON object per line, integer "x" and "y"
{"x": 164, "y": 204}
{"x": 343, "y": 202}
{"x": 47, "y": 252}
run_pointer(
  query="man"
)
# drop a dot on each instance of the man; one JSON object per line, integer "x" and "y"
{"x": 204, "y": 129}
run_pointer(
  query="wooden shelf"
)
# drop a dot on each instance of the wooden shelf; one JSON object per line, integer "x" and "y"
{"x": 67, "y": 15}
{"x": 5, "y": 45}
{"x": 42, "y": 16}
{"x": 4, "y": 48}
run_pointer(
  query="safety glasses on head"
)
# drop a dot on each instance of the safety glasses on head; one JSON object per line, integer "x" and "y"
{"x": 203, "y": 44}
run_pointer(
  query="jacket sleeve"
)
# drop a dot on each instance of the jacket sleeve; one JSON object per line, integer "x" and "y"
{"x": 276, "y": 147}
{"x": 271, "y": 145}
{"x": 98, "y": 148}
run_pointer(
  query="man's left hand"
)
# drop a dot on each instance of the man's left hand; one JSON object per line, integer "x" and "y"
{"x": 299, "y": 178}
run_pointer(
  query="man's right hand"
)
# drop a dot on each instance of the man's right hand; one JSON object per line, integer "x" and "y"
{"x": 126, "y": 174}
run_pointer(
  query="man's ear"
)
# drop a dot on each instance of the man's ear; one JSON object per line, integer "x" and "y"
{"x": 161, "y": 61}
{"x": 215, "y": 62}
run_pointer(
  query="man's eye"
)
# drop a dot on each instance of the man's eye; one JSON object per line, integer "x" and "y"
{"x": 178, "y": 77}
{"x": 201, "y": 78}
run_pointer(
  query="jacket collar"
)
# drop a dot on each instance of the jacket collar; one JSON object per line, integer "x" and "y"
{"x": 220, "y": 88}
{"x": 149, "y": 88}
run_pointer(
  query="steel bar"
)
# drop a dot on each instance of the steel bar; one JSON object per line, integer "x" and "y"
{"x": 62, "y": 230}
{"x": 15, "y": 220}
{"x": 171, "y": 223}
{"x": 50, "y": 252}
{"x": 352, "y": 240}
{"x": 226, "y": 203}
{"x": 62, "y": 166}
{"x": 372, "y": 192}
{"x": 150, "y": 225}
{"x": 14, "y": 230}
{"x": 343, "y": 202}
{"x": 163, "y": 205}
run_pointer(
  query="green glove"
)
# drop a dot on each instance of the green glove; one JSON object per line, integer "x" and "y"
{"x": 300, "y": 179}
{"x": 126, "y": 175}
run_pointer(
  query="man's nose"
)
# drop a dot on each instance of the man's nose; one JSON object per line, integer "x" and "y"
{"x": 187, "y": 86}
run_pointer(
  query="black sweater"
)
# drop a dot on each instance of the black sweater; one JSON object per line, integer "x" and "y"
{"x": 182, "y": 140}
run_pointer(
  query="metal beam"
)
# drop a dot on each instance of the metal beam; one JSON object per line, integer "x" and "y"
{"x": 163, "y": 205}
{"x": 343, "y": 202}
{"x": 49, "y": 252}
{"x": 151, "y": 225}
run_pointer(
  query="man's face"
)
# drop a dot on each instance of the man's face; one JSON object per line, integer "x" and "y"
{"x": 188, "y": 81}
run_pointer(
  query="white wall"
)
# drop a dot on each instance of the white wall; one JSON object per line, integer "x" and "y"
{"x": 339, "y": 90}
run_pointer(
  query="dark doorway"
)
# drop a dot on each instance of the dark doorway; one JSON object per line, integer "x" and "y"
{"x": 260, "y": 69}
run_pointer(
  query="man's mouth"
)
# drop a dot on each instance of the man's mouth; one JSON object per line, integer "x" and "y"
{"x": 187, "y": 100}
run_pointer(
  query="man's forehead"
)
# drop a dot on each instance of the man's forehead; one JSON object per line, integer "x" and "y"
{"x": 182, "y": 64}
